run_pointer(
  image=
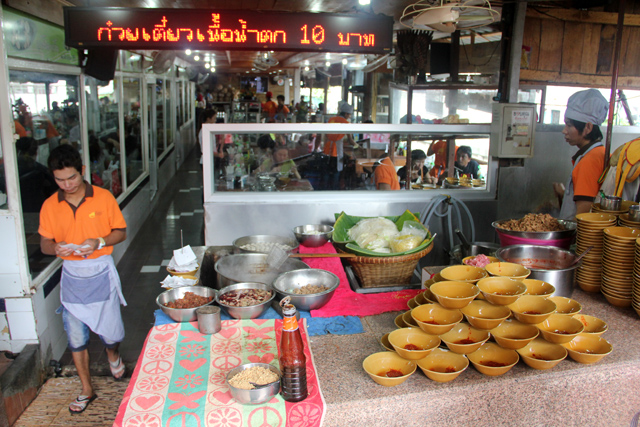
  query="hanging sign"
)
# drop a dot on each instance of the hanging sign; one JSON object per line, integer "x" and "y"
{"x": 199, "y": 29}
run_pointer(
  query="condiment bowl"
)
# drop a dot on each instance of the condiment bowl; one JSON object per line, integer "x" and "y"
{"x": 434, "y": 319}
{"x": 314, "y": 235}
{"x": 540, "y": 354}
{"x": 183, "y": 314}
{"x": 408, "y": 320}
{"x": 248, "y": 312}
{"x": 559, "y": 329}
{"x": 467, "y": 259}
{"x": 384, "y": 342}
{"x": 463, "y": 273}
{"x": 538, "y": 288}
{"x": 484, "y": 315}
{"x": 592, "y": 325}
{"x": 588, "y": 348}
{"x": 508, "y": 269}
{"x": 378, "y": 365}
{"x": 533, "y": 310}
{"x": 401, "y": 338}
{"x": 566, "y": 306}
{"x": 491, "y": 359}
{"x": 443, "y": 365}
{"x": 454, "y": 294}
{"x": 513, "y": 335}
{"x": 257, "y": 395}
{"x": 501, "y": 290}
{"x": 286, "y": 285}
{"x": 464, "y": 339}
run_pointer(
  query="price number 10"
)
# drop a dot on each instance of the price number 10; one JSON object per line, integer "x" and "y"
{"x": 317, "y": 35}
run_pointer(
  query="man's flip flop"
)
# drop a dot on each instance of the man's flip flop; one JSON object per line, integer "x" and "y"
{"x": 81, "y": 402}
{"x": 117, "y": 369}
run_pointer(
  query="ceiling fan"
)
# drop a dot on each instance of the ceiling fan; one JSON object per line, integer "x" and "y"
{"x": 448, "y": 16}
{"x": 162, "y": 61}
{"x": 264, "y": 61}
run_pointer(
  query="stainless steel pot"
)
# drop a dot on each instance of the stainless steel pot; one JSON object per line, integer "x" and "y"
{"x": 547, "y": 263}
{"x": 475, "y": 248}
{"x": 240, "y": 268}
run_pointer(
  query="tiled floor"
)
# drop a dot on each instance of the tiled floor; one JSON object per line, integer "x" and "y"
{"x": 143, "y": 265}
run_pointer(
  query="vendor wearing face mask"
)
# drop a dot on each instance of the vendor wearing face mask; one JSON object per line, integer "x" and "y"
{"x": 586, "y": 110}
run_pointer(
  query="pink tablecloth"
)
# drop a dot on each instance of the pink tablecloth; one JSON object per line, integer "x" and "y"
{"x": 346, "y": 302}
{"x": 179, "y": 379}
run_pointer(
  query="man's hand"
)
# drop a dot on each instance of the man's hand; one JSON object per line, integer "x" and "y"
{"x": 62, "y": 251}
{"x": 87, "y": 247}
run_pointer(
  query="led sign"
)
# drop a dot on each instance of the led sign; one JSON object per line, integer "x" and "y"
{"x": 130, "y": 28}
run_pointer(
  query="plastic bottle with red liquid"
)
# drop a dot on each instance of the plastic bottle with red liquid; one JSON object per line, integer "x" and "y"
{"x": 293, "y": 362}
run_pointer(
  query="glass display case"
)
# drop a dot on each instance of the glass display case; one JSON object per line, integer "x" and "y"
{"x": 246, "y": 112}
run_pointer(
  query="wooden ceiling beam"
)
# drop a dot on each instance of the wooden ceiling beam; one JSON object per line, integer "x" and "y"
{"x": 583, "y": 16}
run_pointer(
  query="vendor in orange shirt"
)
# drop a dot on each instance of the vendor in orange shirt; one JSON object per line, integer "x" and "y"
{"x": 385, "y": 175}
{"x": 334, "y": 148}
{"x": 269, "y": 108}
{"x": 439, "y": 148}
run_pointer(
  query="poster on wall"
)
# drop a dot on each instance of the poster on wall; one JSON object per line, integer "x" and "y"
{"x": 30, "y": 38}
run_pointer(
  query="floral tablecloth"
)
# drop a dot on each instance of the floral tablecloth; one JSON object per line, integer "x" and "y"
{"x": 179, "y": 379}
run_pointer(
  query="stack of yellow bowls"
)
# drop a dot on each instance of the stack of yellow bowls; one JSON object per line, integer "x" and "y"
{"x": 624, "y": 208}
{"x": 635, "y": 293}
{"x": 590, "y": 226}
{"x": 617, "y": 264}
{"x": 625, "y": 221}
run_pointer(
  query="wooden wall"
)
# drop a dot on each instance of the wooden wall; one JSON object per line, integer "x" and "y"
{"x": 576, "y": 48}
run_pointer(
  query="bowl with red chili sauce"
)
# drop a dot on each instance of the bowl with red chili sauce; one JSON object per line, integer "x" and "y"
{"x": 413, "y": 343}
{"x": 560, "y": 329}
{"x": 464, "y": 339}
{"x": 566, "y": 306}
{"x": 180, "y": 304}
{"x": 588, "y": 348}
{"x": 434, "y": 319}
{"x": 450, "y": 294}
{"x": 493, "y": 360}
{"x": 484, "y": 315}
{"x": 592, "y": 325}
{"x": 541, "y": 354}
{"x": 443, "y": 365}
{"x": 531, "y": 309}
{"x": 501, "y": 290}
{"x": 388, "y": 368}
{"x": 512, "y": 334}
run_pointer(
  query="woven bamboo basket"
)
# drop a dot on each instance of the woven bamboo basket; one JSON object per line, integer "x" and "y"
{"x": 377, "y": 272}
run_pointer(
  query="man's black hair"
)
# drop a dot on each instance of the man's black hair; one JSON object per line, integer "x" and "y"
{"x": 65, "y": 156}
{"x": 594, "y": 135}
{"x": 417, "y": 155}
{"x": 464, "y": 149}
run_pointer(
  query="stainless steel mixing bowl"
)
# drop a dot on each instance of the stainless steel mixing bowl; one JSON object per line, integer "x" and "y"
{"x": 183, "y": 314}
{"x": 264, "y": 240}
{"x": 258, "y": 395}
{"x": 248, "y": 312}
{"x": 313, "y": 235}
{"x": 288, "y": 282}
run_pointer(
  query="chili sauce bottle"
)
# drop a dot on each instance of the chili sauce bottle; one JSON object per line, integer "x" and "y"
{"x": 292, "y": 359}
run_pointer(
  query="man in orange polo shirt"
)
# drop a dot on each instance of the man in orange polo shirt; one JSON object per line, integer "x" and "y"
{"x": 80, "y": 224}
{"x": 334, "y": 148}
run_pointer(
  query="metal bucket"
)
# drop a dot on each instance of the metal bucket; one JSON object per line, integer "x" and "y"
{"x": 547, "y": 263}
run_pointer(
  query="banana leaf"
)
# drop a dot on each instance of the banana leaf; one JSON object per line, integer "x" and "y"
{"x": 344, "y": 222}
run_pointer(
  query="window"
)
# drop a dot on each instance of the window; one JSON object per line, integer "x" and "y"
{"x": 131, "y": 101}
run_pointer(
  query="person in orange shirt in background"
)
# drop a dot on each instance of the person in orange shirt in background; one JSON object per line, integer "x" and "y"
{"x": 282, "y": 111}
{"x": 269, "y": 108}
{"x": 439, "y": 148}
{"x": 385, "y": 175}
{"x": 333, "y": 147}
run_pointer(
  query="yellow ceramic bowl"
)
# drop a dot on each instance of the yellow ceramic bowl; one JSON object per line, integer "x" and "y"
{"x": 501, "y": 290}
{"x": 484, "y": 315}
{"x": 465, "y": 260}
{"x": 384, "y": 342}
{"x": 592, "y": 325}
{"x": 538, "y": 288}
{"x": 513, "y": 335}
{"x": 454, "y": 294}
{"x": 463, "y": 273}
{"x": 540, "y": 354}
{"x": 464, "y": 339}
{"x": 566, "y": 306}
{"x": 491, "y": 359}
{"x": 442, "y": 365}
{"x": 412, "y": 303}
{"x": 399, "y": 322}
{"x": 424, "y": 297}
{"x": 191, "y": 273}
{"x": 508, "y": 269}
{"x": 378, "y": 365}
{"x": 588, "y": 348}
{"x": 408, "y": 320}
{"x": 559, "y": 329}
{"x": 434, "y": 319}
{"x": 425, "y": 343}
{"x": 533, "y": 310}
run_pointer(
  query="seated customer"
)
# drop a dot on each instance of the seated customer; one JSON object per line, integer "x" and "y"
{"x": 464, "y": 164}
{"x": 385, "y": 175}
{"x": 279, "y": 163}
{"x": 418, "y": 169}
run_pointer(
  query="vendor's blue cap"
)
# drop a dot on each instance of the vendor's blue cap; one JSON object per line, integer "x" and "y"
{"x": 587, "y": 106}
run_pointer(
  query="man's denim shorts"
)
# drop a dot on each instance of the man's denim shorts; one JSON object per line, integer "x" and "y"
{"x": 78, "y": 332}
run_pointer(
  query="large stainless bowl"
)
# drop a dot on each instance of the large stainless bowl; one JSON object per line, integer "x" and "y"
{"x": 251, "y": 268}
{"x": 547, "y": 263}
{"x": 251, "y": 311}
{"x": 288, "y": 282}
{"x": 183, "y": 314}
{"x": 258, "y": 395}
{"x": 570, "y": 230}
{"x": 313, "y": 235}
{"x": 264, "y": 240}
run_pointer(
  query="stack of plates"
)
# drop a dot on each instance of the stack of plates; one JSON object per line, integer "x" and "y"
{"x": 624, "y": 221}
{"x": 635, "y": 292}
{"x": 590, "y": 226}
{"x": 618, "y": 260}
{"x": 624, "y": 208}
